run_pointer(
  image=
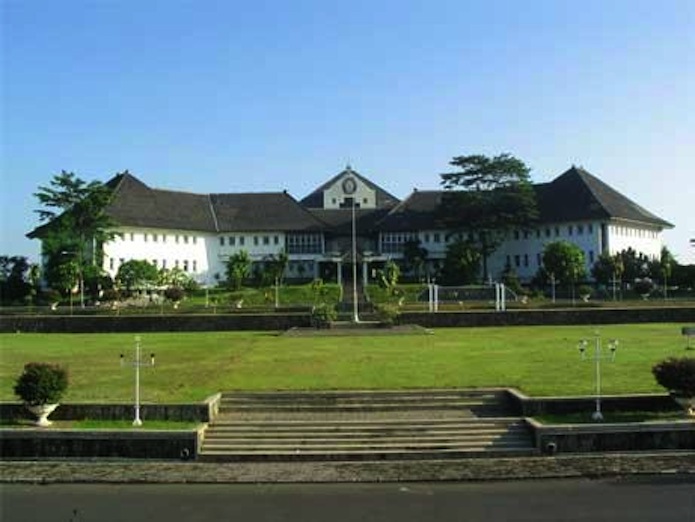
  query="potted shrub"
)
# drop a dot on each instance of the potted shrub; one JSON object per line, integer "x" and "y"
{"x": 677, "y": 375}
{"x": 41, "y": 386}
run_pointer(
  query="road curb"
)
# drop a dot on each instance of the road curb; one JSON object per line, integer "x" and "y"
{"x": 160, "y": 472}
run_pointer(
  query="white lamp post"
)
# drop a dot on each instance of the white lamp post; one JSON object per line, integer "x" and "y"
{"x": 137, "y": 363}
{"x": 598, "y": 355}
{"x": 356, "y": 317}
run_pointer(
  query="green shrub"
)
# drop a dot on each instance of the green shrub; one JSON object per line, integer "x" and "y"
{"x": 677, "y": 375}
{"x": 41, "y": 383}
{"x": 388, "y": 314}
{"x": 322, "y": 315}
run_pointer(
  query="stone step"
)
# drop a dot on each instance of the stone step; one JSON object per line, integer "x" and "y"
{"x": 365, "y": 455}
{"x": 376, "y": 424}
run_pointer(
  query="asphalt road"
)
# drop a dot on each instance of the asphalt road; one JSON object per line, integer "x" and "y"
{"x": 662, "y": 499}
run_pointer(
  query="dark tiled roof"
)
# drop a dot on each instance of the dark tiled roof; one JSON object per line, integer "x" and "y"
{"x": 262, "y": 211}
{"x": 339, "y": 221}
{"x": 573, "y": 196}
{"x": 577, "y": 194}
{"x": 419, "y": 211}
{"x": 136, "y": 204}
{"x": 383, "y": 198}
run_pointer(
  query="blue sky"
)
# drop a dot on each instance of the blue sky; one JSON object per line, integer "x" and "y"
{"x": 232, "y": 96}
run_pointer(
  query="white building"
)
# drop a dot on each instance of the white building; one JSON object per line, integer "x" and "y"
{"x": 198, "y": 232}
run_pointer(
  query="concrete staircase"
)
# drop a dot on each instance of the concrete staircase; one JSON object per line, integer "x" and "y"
{"x": 364, "y": 425}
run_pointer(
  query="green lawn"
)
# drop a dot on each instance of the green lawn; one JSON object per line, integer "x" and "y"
{"x": 192, "y": 366}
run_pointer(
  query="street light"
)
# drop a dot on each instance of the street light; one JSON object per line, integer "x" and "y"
{"x": 137, "y": 363}
{"x": 598, "y": 355}
{"x": 356, "y": 317}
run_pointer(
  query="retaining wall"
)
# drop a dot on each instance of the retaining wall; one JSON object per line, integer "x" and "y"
{"x": 575, "y": 438}
{"x": 285, "y": 321}
{"x": 42, "y": 443}
{"x": 535, "y": 406}
{"x": 202, "y": 412}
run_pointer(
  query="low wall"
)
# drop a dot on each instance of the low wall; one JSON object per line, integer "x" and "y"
{"x": 535, "y": 406}
{"x": 202, "y": 412}
{"x": 574, "y": 438}
{"x": 285, "y": 321}
{"x": 41, "y": 443}
{"x": 590, "y": 316}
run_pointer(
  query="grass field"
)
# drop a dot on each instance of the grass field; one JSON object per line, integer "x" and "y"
{"x": 191, "y": 366}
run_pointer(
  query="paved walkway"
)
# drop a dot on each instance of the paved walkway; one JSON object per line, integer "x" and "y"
{"x": 574, "y": 466}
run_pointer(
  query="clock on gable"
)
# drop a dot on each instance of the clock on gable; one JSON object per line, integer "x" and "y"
{"x": 349, "y": 185}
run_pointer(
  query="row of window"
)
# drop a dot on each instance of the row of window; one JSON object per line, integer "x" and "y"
{"x": 157, "y": 238}
{"x": 241, "y": 240}
{"x": 308, "y": 243}
{"x": 183, "y": 264}
{"x": 523, "y": 260}
{"x": 634, "y": 232}
{"x": 572, "y": 230}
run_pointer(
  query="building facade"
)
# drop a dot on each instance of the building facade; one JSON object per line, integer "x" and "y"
{"x": 199, "y": 232}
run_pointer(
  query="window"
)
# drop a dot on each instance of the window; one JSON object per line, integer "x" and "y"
{"x": 221, "y": 241}
{"x": 195, "y": 240}
{"x": 154, "y": 262}
{"x": 591, "y": 228}
{"x": 437, "y": 238}
{"x": 164, "y": 238}
{"x": 176, "y": 238}
{"x": 539, "y": 259}
{"x": 185, "y": 239}
{"x": 164, "y": 263}
{"x": 231, "y": 240}
{"x": 365, "y": 200}
{"x": 111, "y": 263}
{"x": 569, "y": 230}
{"x": 195, "y": 265}
{"x": 304, "y": 243}
{"x": 591, "y": 256}
{"x": 266, "y": 240}
{"x": 144, "y": 237}
{"x": 538, "y": 233}
{"x": 547, "y": 232}
{"x": 132, "y": 236}
{"x": 185, "y": 265}
{"x": 557, "y": 231}
{"x": 526, "y": 234}
{"x": 516, "y": 234}
{"x": 525, "y": 259}
{"x": 242, "y": 240}
{"x": 427, "y": 238}
{"x": 255, "y": 240}
{"x": 517, "y": 261}
{"x": 276, "y": 240}
{"x": 155, "y": 238}
{"x": 580, "y": 230}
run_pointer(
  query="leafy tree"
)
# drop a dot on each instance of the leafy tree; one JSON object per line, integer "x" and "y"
{"x": 76, "y": 221}
{"x": 238, "y": 269}
{"x": 176, "y": 278}
{"x": 565, "y": 260}
{"x": 275, "y": 267}
{"x": 62, "y": 274}
{"x": 16, "y": 281}
{"x": 137, "y": 274}
{"x": 607, "y": 268}
{"x": 414, "y": 256}
{"x": 490, "y": 196}
{"x": 635, "y": 264}
{"x": 461, "y": 263}
{"x": 389, "y": 275}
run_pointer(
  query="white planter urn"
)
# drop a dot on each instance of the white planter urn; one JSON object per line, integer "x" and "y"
{"x": 687, "y": 403}
{"x": 42, "y": 411}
